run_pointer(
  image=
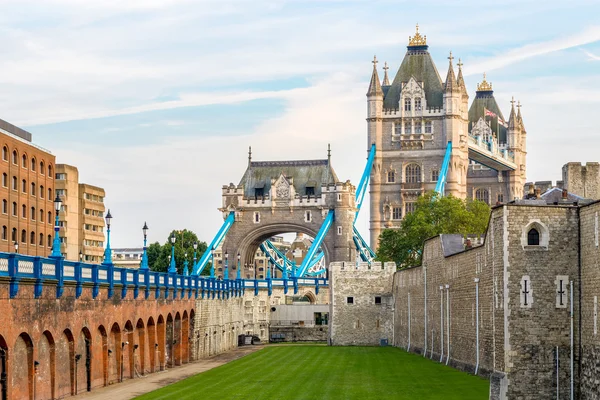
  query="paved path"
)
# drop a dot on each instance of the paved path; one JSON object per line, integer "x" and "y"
{"x": 135, "y": 387}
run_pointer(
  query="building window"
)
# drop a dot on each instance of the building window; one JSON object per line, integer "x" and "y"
{"x": 33, "y": 163}
{"x": 350, "y": 300}
{"x": 310, "y": 191}
{"x": 482, "y": 195}
{"x": 32, "y": 238}
{"x": 339, "y": 230}
{"x": 42, "y": 191}
{"x": 256, "y": 217}
{"x": 24, "y": 161}
{"x": 533, "y": 237}
{"x": 391, "y": 176}
{"x": 4, "y": 206}
{"x": 417, "y": 104}
{"x": 15, "y": 158}
{"x": 50, "y": 171}
{"x": 435, "y": 175}
{"x": 33, "y": 213}
{"x": 32, "y": 189}
{"x": 407, "y": 104}
{"x": 5, "y": 153}
{"x": 418, "y": 127}
{"x": 398, "y": 128}
{"x": 308, "y": 216}
{"x": 428, "y": 127}
{"x": 4, "y": 232}
{"x": 23, "y": 236}
{"x": 61, "y": 176}
{"x": 500, "y": 198}
{"x": 413, "y": 173}
{"x": 24, "y": 186}
{"x": 377, "y": 299}
{"x": 5, "y": 180}
{"x": 410, "y": 207}
{"x": 61, "y": 192}
{"x": 42, "y": 167}
{"x": 50, "y": 194}
{"x": 41, "y": 215}
{"x": 49, "y": 217}
{"x": 407, "y": 128}
{"x": 396, "y": 212}
{"x": 14, "y": 235}
{"x": 14, "y": 209}
{"x": 41, "y": 239}
{"x": 14, "y": 183}
{"x": 49, "y": 240}
{"x": 24, "y": 211}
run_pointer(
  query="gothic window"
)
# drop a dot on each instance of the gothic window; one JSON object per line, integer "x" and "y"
{"x": 533, "y": 237}
{"x": 310, "y": 191}
{"x": 49, "y": 217}
{"x": 50, "y": 171}
{"x": 14, "y": 158}
{"x": 418, "y": 104}
{"x": 407, "y": 104}
{"x": 500, "y": 198}
{"x": 410, "y": 207}
{"x": 418, "y": 127}
{"x": 391, "y": 176}
{"x": 256, "y": 217}
{"x": 259, "y": 192}
{"x": 398, "y": 128}
{"x": 14, "y": 183}
{"x": 42, "y": 167}
{"x": 14, "y": 209}
{"x": 482, "y": 195}
{"x": 41, "y": 239}
{"x": 24, "y": 186}
{"x": 41, "y": 215}
{"x": 23, "y": 236}
{"x": 435, "y": 175}
{"x": 24, "y": 211}
{"x": 308, "y": 216}
{"x": 33, "y": 213}
{"x": 42, "y": 191}
{"x": 428, "y": 127}
{"x": 5, "y": 153}
{"x": 407, "y": 128}
{"x": 14, "y": 235}
{"x": 4, "y": 206}
{"x": 32, "y": 189}
{"x": 33, "y": 163}
{"x": 413, "y": 173}
{"x": 32, "y": 237}
{"x": 24, "y": 161}
{"x": 50, "y": 194}
{"x": 396, "y": 213}
{"x": 49, "y": 240}
{"x": 5, "y": 180}
{"x": 4, "y": 232}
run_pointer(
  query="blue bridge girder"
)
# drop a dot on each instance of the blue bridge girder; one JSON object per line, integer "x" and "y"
{"x": 198, "y": 268}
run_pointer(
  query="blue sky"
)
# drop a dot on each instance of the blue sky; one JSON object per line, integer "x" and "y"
{"x": 157, "y": 101}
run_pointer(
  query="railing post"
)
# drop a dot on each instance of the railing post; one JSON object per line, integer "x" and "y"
{"x": 157, "y": 284}
{"x": 196, "y": 280}
{"x": 173, "y": 277}
{"x": 79, "y": 283}
{"x": 256, "y": 287}
{"x": 60, "y": 276}
{"x": 202, "y": 282}
{"x": 95, "y": 281}
{"x": 136, "y": 283}
{"x": 123, "y": 283}
{"x": 146, "y": 275}
{"x": 37, "y": 273}
{"x": 295, "y": 282}
{"x": 12, "y": 272}
{"x": 285, "y": 285}
{"x": 110, "y": 268}
{"x": 317, "y": 286}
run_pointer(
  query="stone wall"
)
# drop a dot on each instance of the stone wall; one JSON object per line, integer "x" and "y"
{"x": 582, "y": 180}
{"x": 361, "y": 303}
{"x": 299, "y": 333}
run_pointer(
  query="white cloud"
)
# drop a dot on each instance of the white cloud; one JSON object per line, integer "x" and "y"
{"x": 591, "y": 56}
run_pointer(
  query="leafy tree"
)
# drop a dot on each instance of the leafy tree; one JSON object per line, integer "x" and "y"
{"x": 158, "y": 255}
{"x": 433, "y": 215}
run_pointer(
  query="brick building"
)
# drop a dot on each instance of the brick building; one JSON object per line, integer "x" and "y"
{"x": 27, "y": 217}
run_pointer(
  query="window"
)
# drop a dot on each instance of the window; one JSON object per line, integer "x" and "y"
{"x": 49, "y": 171}
{"x": 42, "y": 167}
{"x": 500, "y": 198}
{"x": 396, "y": 213}
{"x": 61, "y": 192}
{"x": 4, "y": 232}
{"x": 32, "y": 189}
{"x": 14, "y": 235}
{"x": 14, "y": 183}
{"x": 41, "y": 215}
{"x": 14, "y": 209}
{"x": 24, "y": 186}
{"x": 391, "y": 176}
{"x": 418, "y": 127}
{"x": 42, "y": 191}
{"x": 407, "y": 128}
{"x": 256, "y": 217}
{"x": 407, "y": 104}
{"x": 4, "y": 180}
{"x": 14, "y": 158}
{"x": 23, "y": 236}
{"x": 33, "y": 164}
{"x": 533, "y": 237}
{"x": 5, "y": 153}
{"x": 4, "y": 206}
{"x": 482, "y": 195}
{"x": 310, "y": 191}
{"x": 377, "y": 299}
{"x": 428, "y": 127}
{"x": 398, "y": 128}
{"x": 24, "y": 161}
{"x": 33, "y": 213}
{"x": 24, "y": 211}
{"x": 350, "y": 300}
{"x": 49, "y": 240}
{"x": 61, "y": 176}
{"x": 435, "y": 175}
{"x": 410, "y": 207}
{"x": 339, "y": 230}
{"x": 417, "y": 104}
{"x": 49, "y": 217}
{"x": 32, "y": 238}
{"x": 41, "y": 239}
{"x": 259, "y": 192}
{"x": 50, "y": 194}
{"x": 413, "y": 173}
{"x": 308, "y": 216}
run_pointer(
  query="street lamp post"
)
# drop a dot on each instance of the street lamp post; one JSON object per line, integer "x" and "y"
{"x": 212, "y": 264}
{"x": 239, "y": 274}
{"x": 226, "y": 270}
{"x": 144, "y": 265}
{"x": 186, "y": 271}
{"x": 107, "y": 252}
{"x": 16, "y": 247}
{"x": 56, "y": 243}
{"x": 195, "y": 249}
{"x": 172, "y": 267}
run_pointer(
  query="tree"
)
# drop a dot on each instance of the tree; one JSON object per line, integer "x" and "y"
{"x": 433, "y": 215}
{"x": 158, "y": 255}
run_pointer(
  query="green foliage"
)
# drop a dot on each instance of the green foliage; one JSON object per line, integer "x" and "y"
{"x": 329, "y": 373}
{"x": 433, "y": 215}
{"x": 158, "y": 255}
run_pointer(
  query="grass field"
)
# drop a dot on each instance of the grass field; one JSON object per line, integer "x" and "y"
{"x": 321, "y": 372}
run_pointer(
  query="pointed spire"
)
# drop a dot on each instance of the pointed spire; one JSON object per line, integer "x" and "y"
{"x": 249, "y": 155}
{"x": 460, "y": 80}
{"x": 519, "y": 117}
{"x": 450, "y": 84}
{"x": 386, "y": 80}
{"x": 375, "y": 86}
{"x": 484, "y": 86}
{"x": 512, "y": 120}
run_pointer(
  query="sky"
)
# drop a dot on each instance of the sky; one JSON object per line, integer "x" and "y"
{"x": 157, "y": 101}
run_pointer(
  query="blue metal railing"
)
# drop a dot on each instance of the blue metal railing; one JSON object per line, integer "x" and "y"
{"x": 57, "y": 271}
{"x": 440, "y": 186}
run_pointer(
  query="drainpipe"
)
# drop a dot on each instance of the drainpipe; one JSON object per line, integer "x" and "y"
{"x": 447, "y": 323}
{"x": 477, "y": 324}
{"x": 425, "y": 289}
{"x": 557, "y": 363}
{"x": 408, "y": 348}
{"x": 442, "y": 322}
{"x": 571, "y": 288}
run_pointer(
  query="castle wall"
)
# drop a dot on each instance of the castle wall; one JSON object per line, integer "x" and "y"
{"x": 582, "y": 180}
{"x": 362, "y": 321}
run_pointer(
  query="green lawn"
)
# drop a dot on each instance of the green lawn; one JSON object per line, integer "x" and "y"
{"x": 321, "y": 372}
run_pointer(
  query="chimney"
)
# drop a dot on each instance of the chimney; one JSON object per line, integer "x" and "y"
{"x": 531, "y": 188}
{"x": 565, "y": 194}
{"x": 538, "y": 193}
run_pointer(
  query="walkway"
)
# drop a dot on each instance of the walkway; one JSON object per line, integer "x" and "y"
{"x": 132, "y": 388}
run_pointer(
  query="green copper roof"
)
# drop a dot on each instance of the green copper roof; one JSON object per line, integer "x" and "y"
{"x": 417, "y": 63}
{"x": 485, "y": 99}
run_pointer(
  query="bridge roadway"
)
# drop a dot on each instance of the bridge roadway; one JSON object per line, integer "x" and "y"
{"x": 68, "y": 327}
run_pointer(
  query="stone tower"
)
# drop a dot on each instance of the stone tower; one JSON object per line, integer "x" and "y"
{"x": 412, "y": 119}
